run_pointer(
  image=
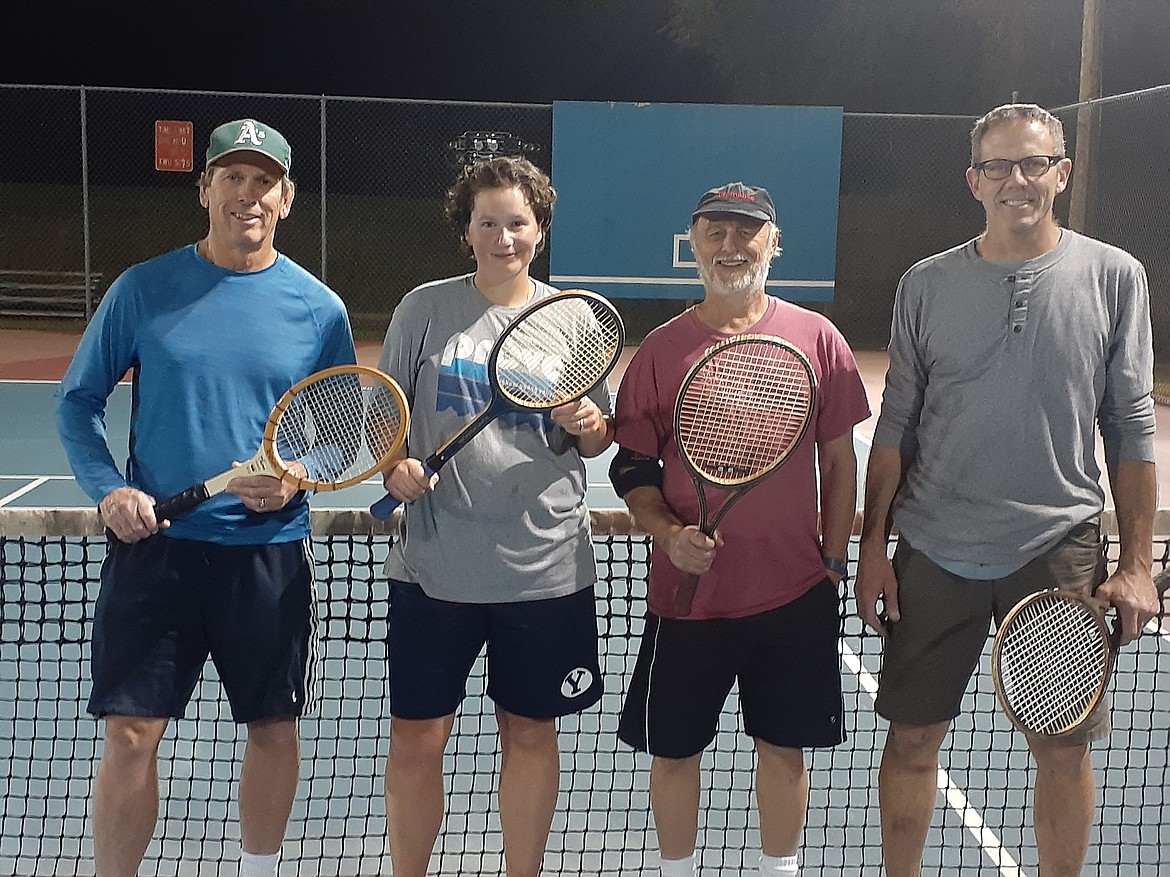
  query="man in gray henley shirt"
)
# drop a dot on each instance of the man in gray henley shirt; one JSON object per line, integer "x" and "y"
{"x": 1006, "y": 354}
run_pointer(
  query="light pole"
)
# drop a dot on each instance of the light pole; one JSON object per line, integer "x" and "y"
{"x": 1090, "y": 88}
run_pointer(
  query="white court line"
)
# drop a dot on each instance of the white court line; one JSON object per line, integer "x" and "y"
{"x": 1153, "y": 627}
{"x": 21, "y": 491}
{"x": 1008, "y": 867}
{"x": 16, "y": 477}
{"x": 677, "y": 281}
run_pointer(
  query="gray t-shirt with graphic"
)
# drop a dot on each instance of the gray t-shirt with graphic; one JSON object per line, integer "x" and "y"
{"x": 507, "y": 520}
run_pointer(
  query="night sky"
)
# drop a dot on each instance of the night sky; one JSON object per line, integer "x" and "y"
{"x": 959, "y": 56}
{"x": 527, "y": 51}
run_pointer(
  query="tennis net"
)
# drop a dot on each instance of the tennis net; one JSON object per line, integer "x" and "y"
{"x": 49, "y": 566}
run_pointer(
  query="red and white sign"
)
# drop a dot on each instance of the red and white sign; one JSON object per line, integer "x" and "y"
{"x": 173, "y": 146}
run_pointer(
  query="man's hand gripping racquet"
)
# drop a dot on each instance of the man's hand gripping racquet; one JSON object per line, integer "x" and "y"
{"x": 335, "y": 428}
{"x": 554, "y": 351}
{"x": 741, "y": 410}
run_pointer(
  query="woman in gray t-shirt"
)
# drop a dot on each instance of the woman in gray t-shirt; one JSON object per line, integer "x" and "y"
{"x": 497, "y": 550}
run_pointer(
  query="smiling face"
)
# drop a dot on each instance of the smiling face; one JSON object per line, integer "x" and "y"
{"x": 1019, "y": 207}
{"x": 245, "y": 194}
{"x": 733, "y": 253}
{"x": 503, "y": 235}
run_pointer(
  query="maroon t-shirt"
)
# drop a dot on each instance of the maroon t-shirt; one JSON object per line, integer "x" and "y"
{"x": 771, "y": 552}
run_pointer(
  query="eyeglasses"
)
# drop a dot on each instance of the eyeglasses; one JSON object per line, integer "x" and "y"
{"x": 1033, "y": 166}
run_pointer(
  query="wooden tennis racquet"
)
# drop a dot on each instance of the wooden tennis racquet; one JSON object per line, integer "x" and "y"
{"x": 1053, "y": 656}
{"x": 554, "y": 351}
{"x": 341, "y": 424}
{"x": 1051, "y": 661}
{"x": 741, "y": 410}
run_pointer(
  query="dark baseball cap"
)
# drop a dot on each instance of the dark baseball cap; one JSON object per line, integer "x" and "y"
{"x": 737, "y": 198}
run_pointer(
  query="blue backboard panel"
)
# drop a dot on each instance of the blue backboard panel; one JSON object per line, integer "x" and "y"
{"x": 628, "y": 176}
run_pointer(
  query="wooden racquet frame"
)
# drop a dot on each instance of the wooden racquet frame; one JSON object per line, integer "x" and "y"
{"x": 1035, "y": 611}
{"x": 267, "y": 460}
{"x": 803, "y": 402}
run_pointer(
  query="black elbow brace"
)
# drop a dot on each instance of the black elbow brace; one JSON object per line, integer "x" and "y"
{"x": 628, "y": 470}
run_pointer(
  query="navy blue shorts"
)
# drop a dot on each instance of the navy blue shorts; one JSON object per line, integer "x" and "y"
{"x": 786, "y": 662}
{"x": 541, "y": 654}
{"x": 166, "y": 604}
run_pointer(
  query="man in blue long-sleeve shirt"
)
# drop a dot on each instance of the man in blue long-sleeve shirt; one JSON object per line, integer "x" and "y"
{"x": 212, "y": 335}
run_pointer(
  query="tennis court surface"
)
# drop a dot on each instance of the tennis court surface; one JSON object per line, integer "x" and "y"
{"x": 49, "y": 559}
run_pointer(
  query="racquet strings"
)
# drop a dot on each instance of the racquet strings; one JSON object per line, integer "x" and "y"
{"x": 744, "y": 411}
{"x": 339, "y": 426}
{"x": 558, "y": 352}
{"x": 1053, "y": 664}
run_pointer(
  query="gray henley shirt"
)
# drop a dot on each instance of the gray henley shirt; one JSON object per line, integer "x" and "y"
{"x": 999, "y": 375}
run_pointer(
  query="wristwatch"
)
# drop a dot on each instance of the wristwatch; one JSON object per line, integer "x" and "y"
{"x": 837, "y": 565}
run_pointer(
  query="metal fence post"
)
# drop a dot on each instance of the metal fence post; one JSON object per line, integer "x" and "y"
{"x": 324, "y": 241}
{"x": 88, "y": 267}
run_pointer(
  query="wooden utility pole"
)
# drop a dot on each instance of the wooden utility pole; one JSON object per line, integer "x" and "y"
{"x": 1090, "y": 88}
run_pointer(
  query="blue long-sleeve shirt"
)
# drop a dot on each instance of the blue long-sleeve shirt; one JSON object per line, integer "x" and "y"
{"x": 210, "y": 351}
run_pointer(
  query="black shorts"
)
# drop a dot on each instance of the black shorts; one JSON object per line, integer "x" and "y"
{"x": 541, "y": 654}
{"x": 166, "y": 604}
{"x": 932, "y": 651}
{"x": 786, "y": 661}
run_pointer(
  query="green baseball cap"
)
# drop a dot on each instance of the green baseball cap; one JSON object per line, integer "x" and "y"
{"x": 248, "y": 135}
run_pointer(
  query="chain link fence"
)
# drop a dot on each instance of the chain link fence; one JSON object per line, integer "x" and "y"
{"x": 1126, "y": 200}
{"x": 80, "y": 200}
{"x": 80, "y": 196}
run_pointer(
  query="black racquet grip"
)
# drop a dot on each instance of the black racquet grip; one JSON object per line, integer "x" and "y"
{"x": 385, "y": 507}
{"x": 181, "y": 503}
{"x": 1162, "y": 582}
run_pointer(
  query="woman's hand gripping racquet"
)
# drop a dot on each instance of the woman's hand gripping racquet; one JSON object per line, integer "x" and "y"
{"x": 335, "y": 428}
{"x": 1052, "y": 659}
{"x": 554, "y": 351}
{"x": 741, "y": 410}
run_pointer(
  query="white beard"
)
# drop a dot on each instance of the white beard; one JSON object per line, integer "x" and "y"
{"x": 747, "y": 283}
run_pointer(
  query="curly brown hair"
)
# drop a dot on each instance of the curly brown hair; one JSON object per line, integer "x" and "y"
{"x": 500, "y": 173}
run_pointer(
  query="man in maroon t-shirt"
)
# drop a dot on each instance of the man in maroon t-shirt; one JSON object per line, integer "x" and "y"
{"x": 767, "y": 608}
